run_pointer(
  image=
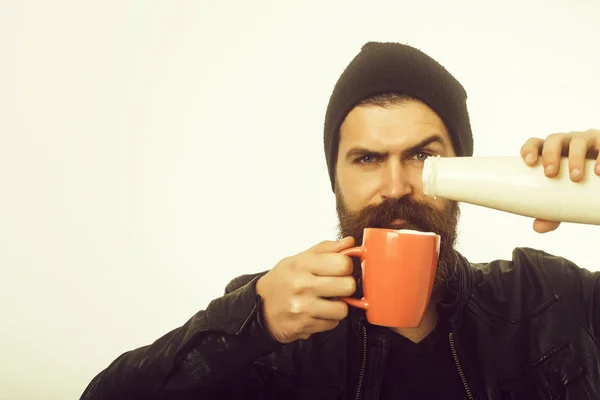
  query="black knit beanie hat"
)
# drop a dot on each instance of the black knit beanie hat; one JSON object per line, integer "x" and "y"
{"x": 381, "y": 68}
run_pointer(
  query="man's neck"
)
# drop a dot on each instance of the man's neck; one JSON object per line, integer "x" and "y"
{"x": 430, "y": 320}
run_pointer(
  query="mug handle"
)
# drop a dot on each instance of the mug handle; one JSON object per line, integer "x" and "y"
{"x": 359, "y": 252}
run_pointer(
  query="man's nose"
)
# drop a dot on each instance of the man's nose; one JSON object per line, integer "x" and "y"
{"x": 395, "y": 182}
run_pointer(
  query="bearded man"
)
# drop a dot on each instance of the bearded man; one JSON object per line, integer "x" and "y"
{"x": 526, "y": 328}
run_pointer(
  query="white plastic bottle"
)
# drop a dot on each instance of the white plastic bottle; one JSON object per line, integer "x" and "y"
{"x": 508, "y": 184}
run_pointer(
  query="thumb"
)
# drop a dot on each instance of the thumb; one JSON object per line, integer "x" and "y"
{"x": 543, "y": 226}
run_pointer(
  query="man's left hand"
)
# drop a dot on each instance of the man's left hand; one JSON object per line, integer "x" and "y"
{"x": 577, "y": 146}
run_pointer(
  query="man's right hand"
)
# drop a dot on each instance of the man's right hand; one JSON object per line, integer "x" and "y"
{"x": 295, "y": 291}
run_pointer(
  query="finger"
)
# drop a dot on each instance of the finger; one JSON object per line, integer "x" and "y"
{"x": 330, "y": 264}
{"x": 596, "y": 149}
{"x": 531, "y": 149}
{"x": 335, "y": 310}
{"x": 543, "y": 226}
{"x": 326, "y": 286}
{"x": 330, "y": 246}
{"x": 578, "y": 148}
{"x": 551, "y": 153}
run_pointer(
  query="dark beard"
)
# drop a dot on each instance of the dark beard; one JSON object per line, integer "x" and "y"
{"x": 419, "y": 216}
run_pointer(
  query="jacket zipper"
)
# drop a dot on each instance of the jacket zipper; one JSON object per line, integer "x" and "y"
{"x": 363, "y": 362}
{"x": 459, "y": 367}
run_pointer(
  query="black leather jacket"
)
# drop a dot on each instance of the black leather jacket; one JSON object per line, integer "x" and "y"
{"x": 522, "y": 329}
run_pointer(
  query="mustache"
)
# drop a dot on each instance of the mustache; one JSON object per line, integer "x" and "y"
{"x": 416, "y": 215}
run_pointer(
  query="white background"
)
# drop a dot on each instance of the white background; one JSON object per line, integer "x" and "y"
{"x": 151, "y": 151}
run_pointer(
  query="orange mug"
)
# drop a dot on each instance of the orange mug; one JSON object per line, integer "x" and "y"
{"x": 398, "y": 270}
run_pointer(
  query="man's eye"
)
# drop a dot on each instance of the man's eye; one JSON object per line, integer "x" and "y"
{"x": 366, "y": 160}
{"x": 421, "y": 156}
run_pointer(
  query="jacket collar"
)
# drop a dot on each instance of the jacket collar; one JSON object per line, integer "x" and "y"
{"x": 458, "y": 290}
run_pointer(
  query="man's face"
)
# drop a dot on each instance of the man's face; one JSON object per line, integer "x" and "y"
{"x": 378, "y": 174}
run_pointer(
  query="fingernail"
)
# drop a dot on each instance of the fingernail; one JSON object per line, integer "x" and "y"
{"x": 549, "y": 169}
{"x": 575, "y": 173}
{"x": 529, "y": 159}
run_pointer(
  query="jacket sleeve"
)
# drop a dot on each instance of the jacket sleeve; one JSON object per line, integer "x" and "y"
{"x": 579, "y": 286}
{"x": 199, "y": 360}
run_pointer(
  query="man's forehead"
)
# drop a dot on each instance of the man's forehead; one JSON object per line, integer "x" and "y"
{"x": 400, "y": 123}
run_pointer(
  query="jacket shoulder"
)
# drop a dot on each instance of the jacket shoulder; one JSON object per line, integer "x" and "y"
{"x": 563, "y": 274}
{"x": 530, "y": 266}
{"x": 519, "y": 288}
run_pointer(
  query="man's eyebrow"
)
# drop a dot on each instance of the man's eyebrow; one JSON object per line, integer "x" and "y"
{"x": 363, "y": 151}
{"x": 426, "y": 142}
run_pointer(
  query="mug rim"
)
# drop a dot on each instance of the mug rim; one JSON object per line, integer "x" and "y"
{"x": 401, "y": 231}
